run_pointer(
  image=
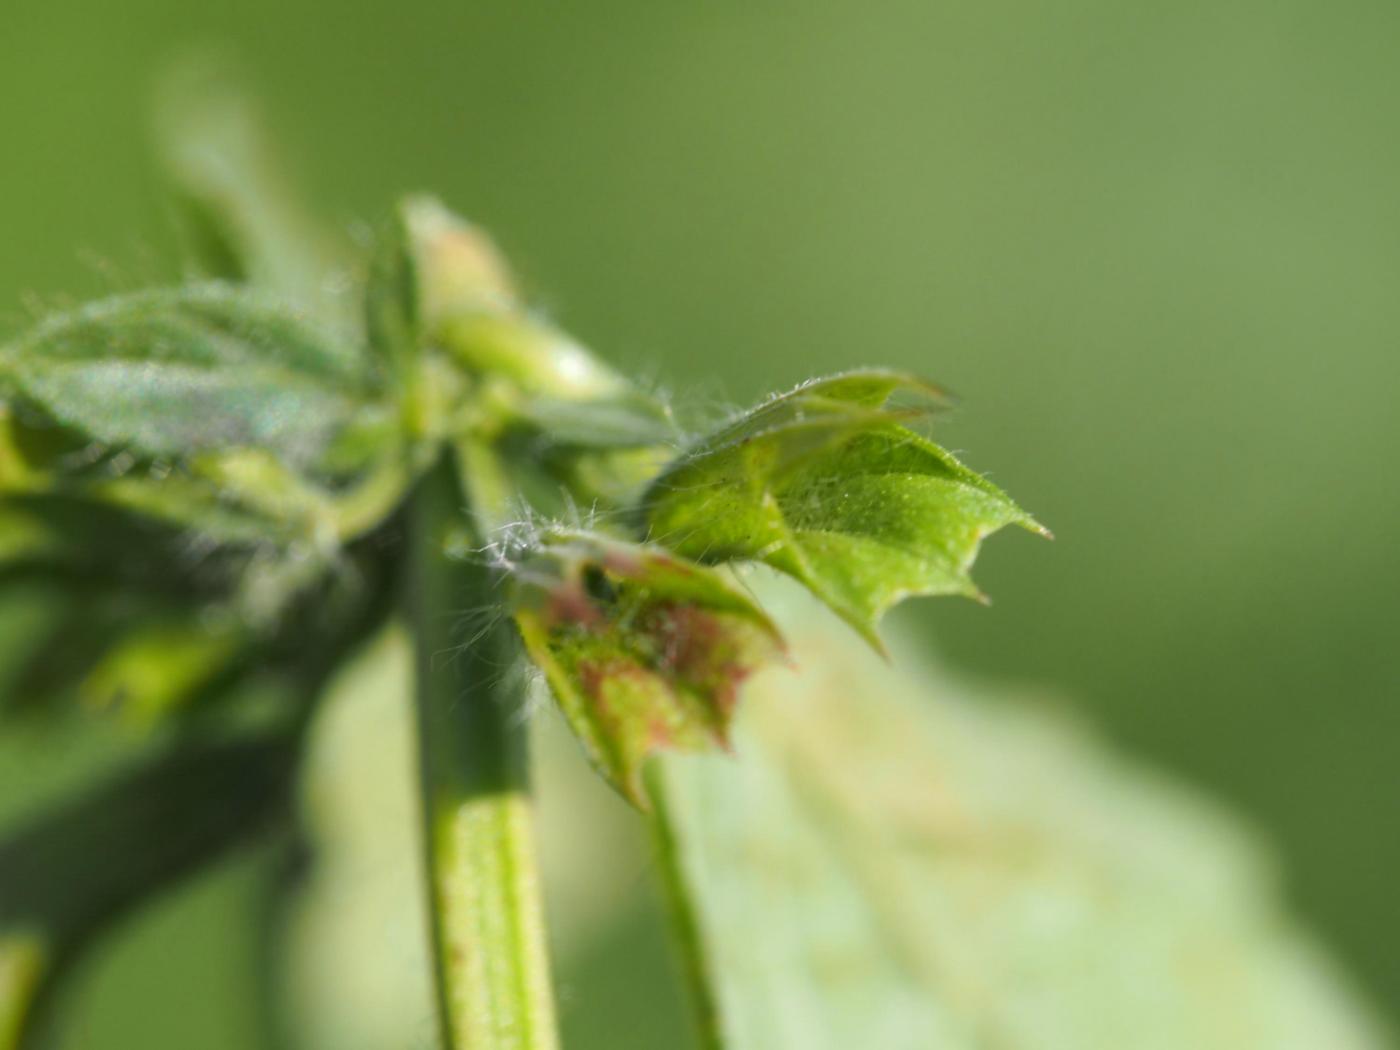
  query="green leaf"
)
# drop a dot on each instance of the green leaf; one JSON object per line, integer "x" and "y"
{"x": 85, "y": 622}
{"x": 67, "y": 876}
{"x": 240, "y": 219}
{"x": 360, "y": 815}
{"x": 439, "y": 294}
{"x": 213, "y": 411}
{"x": 174, "y": 373}
{"x": 624, "y": 420}
{"x": 530, "y": 356}
{"x": 431, "y": 265}
{"x": 437, "y": 283}
{"x": 893, "y": 859}
{"x": 160, "y": 664}
{"x": 826, "y": 483}
{"x": 642, "y": 649}
{"x": 158, "y": 547}
{"x": 149, "y": 616}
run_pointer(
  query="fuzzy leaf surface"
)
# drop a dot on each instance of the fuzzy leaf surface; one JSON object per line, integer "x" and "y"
{"x": 174, "y": 373}
{"x": 827, "y": 484}
{"x": 643, "y": 650}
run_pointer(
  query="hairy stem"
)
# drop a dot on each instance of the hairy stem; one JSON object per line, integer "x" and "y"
{"x": 491, "y": 966}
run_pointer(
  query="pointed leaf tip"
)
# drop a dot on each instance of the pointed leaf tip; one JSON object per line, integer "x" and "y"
{"x": 827, "y": 484}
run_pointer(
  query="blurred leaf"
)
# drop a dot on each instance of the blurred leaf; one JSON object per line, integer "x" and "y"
{"x": 628, "y": 419}
{"x": 146, "y": 620}
{"x": 172, "y": 373}
{"x": 826, "y": 484}
{"x": 71, "y": 538}
{"x": 642, "y": 649}
{"x": 224, "y": 435}
{"x": 888, "y": 861}
{"x": 159, "y": 664}
{"x": 528, "y": 355}
{"x": 359, "y": 978}
{"x": 87, "y": 576}
{"x": 437, "y": 282}
{"x": 240, "y": 219}
{"x": 431, "y": 265}
{"x": 65, "y": 877}
{"x": 22, "y": 963}
{"x": 88, "y": 623}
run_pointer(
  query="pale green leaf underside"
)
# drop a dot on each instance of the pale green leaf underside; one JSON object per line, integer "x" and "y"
{"x": 888, "y": 862}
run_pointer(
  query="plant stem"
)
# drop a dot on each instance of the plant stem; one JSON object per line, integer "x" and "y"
{"x": 491, "y": 965}
{"x": 686, "y": 937}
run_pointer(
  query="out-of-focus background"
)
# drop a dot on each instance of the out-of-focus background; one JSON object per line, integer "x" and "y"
{"x": 1156, "y": 249}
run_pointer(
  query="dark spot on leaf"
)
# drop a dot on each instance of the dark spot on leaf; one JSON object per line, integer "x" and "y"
{"x": 597, "y": 586}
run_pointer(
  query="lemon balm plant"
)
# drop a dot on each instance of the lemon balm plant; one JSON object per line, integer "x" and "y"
{"x": 220, "y": 500}
{"x": 217, "y": 491}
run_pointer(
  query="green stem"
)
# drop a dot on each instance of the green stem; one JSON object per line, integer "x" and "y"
{"x": 686, "y": 937}
{"x": 491, "y": 966}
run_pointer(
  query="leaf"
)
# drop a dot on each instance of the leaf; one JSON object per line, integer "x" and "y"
{"x": 891, "y": 859}
{"x": 240, "y": 219}
{"x": 431, "y": 266}
{"x": 438, "y": 283}
{"x": 642, "y": 649}
{"x": 627, "y": 419}
{"x": 826, "y": 484}
{"x": 68, "y": 875}
{"x": 530, "y": 356}
{"x": 159, "y": 665}
{"x": 86, "y": 623}
{"x": 173, "y": 373}
{"x": 215, "y": 411}
{"x": 148, "y": 618}
{"x": 357, "y": 978}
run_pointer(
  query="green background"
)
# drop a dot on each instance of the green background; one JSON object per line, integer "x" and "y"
{"x": 1156, "y": 249}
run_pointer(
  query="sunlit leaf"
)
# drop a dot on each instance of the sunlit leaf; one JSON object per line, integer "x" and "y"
{"x": 430, "y": 266}
{"x": 642, "y": 649}
{"x": 827, "y": 484}
{"x": 529, "y": 355}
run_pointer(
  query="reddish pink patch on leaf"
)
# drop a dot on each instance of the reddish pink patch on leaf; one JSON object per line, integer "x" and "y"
{"x": 569, "y": 605}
